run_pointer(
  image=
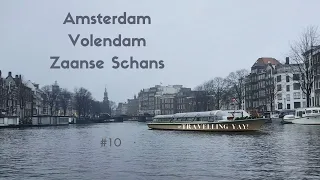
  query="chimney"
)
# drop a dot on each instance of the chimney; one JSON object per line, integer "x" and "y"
{"x": 287, "y": 60}
{"x": 9, "y": 74}
{"x": 20, "y": 76}
{"x": 17, "y": 76}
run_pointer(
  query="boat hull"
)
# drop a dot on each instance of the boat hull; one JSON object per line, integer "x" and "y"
{"x": 287, "y": 119}
{"x": 307, "y": 121}
{"x": 225, "y": 126}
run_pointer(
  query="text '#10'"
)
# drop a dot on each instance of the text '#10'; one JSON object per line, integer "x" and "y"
{"x": 110, "y": 142}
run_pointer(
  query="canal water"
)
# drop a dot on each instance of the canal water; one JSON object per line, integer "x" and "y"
{"x": 76, "y": 152}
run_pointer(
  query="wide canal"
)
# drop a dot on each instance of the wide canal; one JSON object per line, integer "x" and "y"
{"x": 85, "y": 152}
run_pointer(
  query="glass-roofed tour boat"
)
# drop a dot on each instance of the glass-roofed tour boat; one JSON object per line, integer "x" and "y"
{"x": 218, "y": 120}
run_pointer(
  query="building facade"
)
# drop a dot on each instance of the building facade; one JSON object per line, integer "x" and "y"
{"x": 289, "y": 94}
{"x": 133, "y": 106}
{"x": 182, "y": 98}
{"x": 315, "y": 101}
{"x": 259, "y": 86}
{"x": 147, "y": 100}
{"x": 165, "y": 99}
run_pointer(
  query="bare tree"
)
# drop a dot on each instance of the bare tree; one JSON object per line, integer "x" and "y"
{"x": 227, "y": 95}
{"x": 215, "y": 90}
{"x": 82, "y": 101}
{"x": 113, "y": 106}
{"x": 218, "y": 86}
{"x": 3, "y": 95}
{"x": 302, "y": 53}
{"x": 50, "y": 98}
{"x": 95, "y": 108}
{"x": 271, "y": 90}
{"x": 24, "y": 96}
{"x": 236, "y": 81}
{"x": 64, "y": 100}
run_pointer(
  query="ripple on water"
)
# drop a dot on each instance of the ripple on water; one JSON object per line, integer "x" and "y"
{"x": 74, "y": 152}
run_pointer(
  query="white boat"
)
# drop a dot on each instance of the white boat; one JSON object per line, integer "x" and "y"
{"x": 220, "y": 121}
{"x": 307, "y": 116}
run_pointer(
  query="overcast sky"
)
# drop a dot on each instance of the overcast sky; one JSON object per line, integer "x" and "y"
{"x": 197, "y": 40}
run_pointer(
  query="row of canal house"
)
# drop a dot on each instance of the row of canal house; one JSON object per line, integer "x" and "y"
{"x": 171, "y": 99}
{"x": 22, "y": 103}
{"x": 272, "y": 85}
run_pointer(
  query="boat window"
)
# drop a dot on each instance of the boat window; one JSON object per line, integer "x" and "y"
{"x": 308, "y": 111}
{"x": 211, "y": 118}
{"x": 315, "y": 111}
{"x": 299, "y": 113}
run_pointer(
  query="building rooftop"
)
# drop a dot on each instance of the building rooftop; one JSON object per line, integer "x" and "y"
{"x": 265, "y": 61}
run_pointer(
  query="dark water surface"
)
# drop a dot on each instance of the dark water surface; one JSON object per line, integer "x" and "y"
{"x": 74, "y": 152}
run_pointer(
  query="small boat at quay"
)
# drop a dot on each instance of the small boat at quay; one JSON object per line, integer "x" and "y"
{"x": 306, "y": 116}
{"x": 218, "y": 120}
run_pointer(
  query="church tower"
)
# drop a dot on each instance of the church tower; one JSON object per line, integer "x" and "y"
{"x": 106, "y": 103}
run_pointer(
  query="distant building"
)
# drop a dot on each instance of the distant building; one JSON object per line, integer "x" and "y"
{"x": 133, "y": 106}
{"x": 147, "y": 100}
{"x": 182, "y": 100}
{"x": 122, "y": 109}
{"x": 165, "y": 99}
{"x": 171, "y": 99}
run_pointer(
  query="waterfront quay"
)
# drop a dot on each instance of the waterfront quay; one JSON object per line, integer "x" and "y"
{"x": 276, "y": 152}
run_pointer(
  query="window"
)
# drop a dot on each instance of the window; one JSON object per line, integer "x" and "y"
{"x": 297, "y": 105}
{"x": 313, "y": 101}
{"x": 279, "y": 105}
{"x": 296, "y": 86}
{"x": 296, "y": 95}
{"x": 279, "y": 87}
{"x": 288, "y": 97}
{"x": 288, "y": 106}
{"x": 288, "y": 78}
{"x": 296, "y": 77}
{"x": 279, "y": 96}
{"x": 288, "y": 87}
{"x": 279, "y": 78}
{"x": 304, "y": 95}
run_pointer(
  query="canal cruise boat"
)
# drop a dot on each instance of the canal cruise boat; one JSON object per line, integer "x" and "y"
{"x": 218, "y": 120}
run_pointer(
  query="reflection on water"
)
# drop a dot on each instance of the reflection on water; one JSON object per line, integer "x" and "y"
{"x": 74, "y": 152}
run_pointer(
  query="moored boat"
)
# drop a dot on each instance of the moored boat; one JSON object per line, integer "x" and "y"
{"x": 307, "y": 116}
{"x": 220, "y": 121}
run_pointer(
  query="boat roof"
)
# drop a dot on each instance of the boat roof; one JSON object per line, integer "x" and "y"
{"x": 287, "y": 110}
{"x": 194, "y": 114}
{"x": 309, "y": 108}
